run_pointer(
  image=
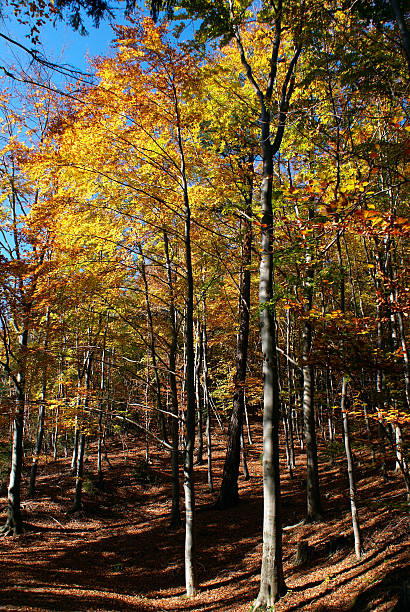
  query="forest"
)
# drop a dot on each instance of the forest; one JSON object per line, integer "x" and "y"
{"x": 204, "y": 309}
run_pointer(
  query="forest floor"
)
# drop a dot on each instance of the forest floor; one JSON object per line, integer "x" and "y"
{"x": 119, "y": 553}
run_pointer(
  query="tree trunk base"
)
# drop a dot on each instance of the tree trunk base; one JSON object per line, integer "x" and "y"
{"x": 76, "y": 508}
{"x": 11, "y": 530}
{"x": 315, "y": 518}
{"x": 303, "y": 553}
{"x": 224, "y": 503}
{"x": 266, "y": 602}
{"x": 175, "y": 523}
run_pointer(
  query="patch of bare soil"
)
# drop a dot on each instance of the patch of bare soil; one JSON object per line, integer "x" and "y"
{"x": 120, "y": 554}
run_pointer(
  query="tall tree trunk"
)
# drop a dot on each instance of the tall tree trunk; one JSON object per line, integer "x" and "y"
{"x": 207, "y": 402}
{"x": 244, "y": 462}
{"x": 198, "y": 394}
{"x": 272, "y": 585}
{"x": 14, "y": 522}
{"x": 289, "y": 408}
{"x": 152, "y": 346}
{"x": 245, "y": 409}
{"x": 75, "y": 441}
{"x": 77, "y": 503}
{"x": 100, "y": 474}
{"x": 228, "y": 494}
{"x": 314, "y": 506}
{"x": 55, "y": 435}
{"x": 350, "y": 471}
{"x": 175, "y": 511}
{"x": 345, "y": 421}
{"x": 191, "y": 579}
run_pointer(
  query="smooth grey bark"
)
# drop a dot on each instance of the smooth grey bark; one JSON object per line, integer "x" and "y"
{"x": 287, "y": 444}
{"x": 55, "y": 434}
{"x": 198, "y": 394}
{"x": 175, "y": 511}
{"x": 77, "y": 503}
{"x": 207, "y": 401}
{"x": 272, "y": 585}
{"x": 350, "y": 471}
{"x": 329, "y": 403}
{"x": 345, "y": 421}
{"x": 14, "y": 522}
{"x": 245, "y": 409}
{"x": 191, "y": 578}
{"x": 288, "y": 424}
{"x": 313, "y": 502}
{"x": 100, "y": 475}
{"x": 75, "y": 441}
{"x": 147, "y": 416}
{"x": 245, "y": 469}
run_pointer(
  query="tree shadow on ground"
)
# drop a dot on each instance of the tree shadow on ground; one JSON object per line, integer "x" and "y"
{"x": 394, "y": 584}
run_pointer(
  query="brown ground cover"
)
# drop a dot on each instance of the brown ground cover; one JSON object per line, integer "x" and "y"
{"x": 119, "y": 553}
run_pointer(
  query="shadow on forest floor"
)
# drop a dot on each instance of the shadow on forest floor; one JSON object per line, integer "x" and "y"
{"x": 120, "y": 554}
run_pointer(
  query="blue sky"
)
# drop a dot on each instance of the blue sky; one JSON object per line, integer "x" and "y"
{"x": 59, "y": 44}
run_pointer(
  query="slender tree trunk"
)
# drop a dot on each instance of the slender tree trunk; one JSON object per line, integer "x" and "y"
{"x": 350, "y": 471}
{"x": 314, "y": 507}
{"x": 77, "y": 503}
{"x": 345, "y": 421}
{"x": 289, "y": 408}
{"x": 207, "y": 401}
{"x": 55, "y": 436}
{"x": 14, "y": 522}
{"x": 175, "y": 511}
{"x": 287, "y": 441}
{"x": 37, "y": 452}
{"x": 152, "y": 347}
{"x": 147, "y": 415}
{"x": 244, "y": 462}
{"x": 198, "y": 362}
{"x": 75, "y": 442}
{"x": 245, "y": 408}
{"x": 272, "y": 585}
{"x": 228, "y": 494}
{"x": 191, "y": 579}
{"x": 100, "y": 474}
